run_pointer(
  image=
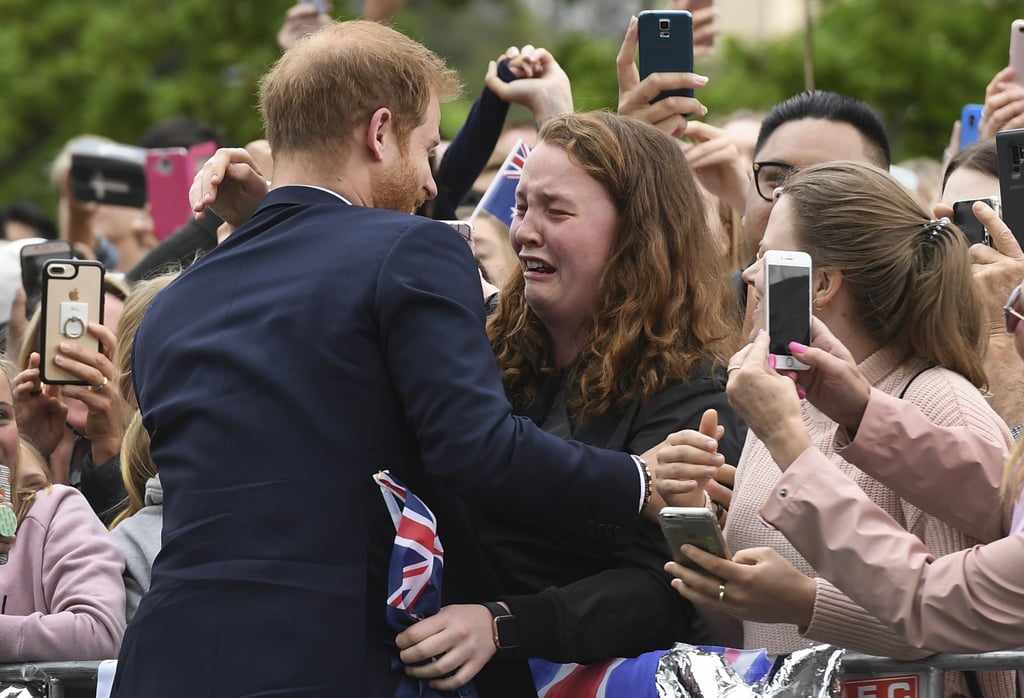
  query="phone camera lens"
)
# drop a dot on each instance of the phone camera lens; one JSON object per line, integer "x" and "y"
{"x": 664, "y": 24}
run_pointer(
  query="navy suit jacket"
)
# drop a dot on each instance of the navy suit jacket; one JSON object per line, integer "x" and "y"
{"x": 321, "y": 343}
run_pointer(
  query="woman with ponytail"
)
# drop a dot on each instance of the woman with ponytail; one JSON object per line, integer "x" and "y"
{"x": 893, "y": 286}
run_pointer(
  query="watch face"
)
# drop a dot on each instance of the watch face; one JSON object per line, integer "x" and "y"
{"x": 506, "y": 633}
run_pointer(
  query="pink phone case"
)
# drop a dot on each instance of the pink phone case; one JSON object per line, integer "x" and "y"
{"x": 169, "y": 175}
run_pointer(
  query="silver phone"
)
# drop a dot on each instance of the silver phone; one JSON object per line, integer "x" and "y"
{"x": 696, "y": 526}
{"x": 787, "y": 305}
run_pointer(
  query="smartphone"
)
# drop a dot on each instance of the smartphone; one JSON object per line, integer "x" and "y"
{"x": 108, "y": 173}
{"x": 8, "y": 520}
{"x": 169, "y": 175}
{"x": 970, "y": 121}
{"x": 1010, "y": 154}
{"x": 463, "y": 228}
{"x": 666, "y": 45}
{"x": 970, "y": 226}
{"x": 696, "y": 526}
{"x": 1017, "y": 50}
{"x": 33, "y": 257}
{"x": 787, "y": 304}
{"x": 72, "y": 298}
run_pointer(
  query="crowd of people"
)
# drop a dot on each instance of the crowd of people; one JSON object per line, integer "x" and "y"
{"x": 535, "y": 393}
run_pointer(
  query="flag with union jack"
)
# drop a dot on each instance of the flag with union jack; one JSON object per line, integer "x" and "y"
{"x": 500, "y": 197}
{"x": 414, "y": 574}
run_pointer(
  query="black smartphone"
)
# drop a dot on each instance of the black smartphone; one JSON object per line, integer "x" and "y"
{"x": 33, "y": 257}
{"x": 72, "y": 298}
{"x": 666, "y": 45}
{"x": 1010, "y": 152}
{"x": 108, "y": 173}
{"x": 787, "y": 304}
{"x": 970, "y": 226}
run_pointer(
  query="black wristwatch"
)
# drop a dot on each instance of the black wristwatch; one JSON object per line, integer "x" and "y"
{"x": 503, "y": 625}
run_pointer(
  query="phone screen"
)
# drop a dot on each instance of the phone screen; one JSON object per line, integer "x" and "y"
{"x": 789, "y": 301}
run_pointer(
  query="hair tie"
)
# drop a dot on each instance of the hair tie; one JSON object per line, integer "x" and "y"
{"x": 936, "y": 226}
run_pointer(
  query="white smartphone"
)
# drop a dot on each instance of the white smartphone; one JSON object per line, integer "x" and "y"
{"x": 787, "y": 304}
{"x": 696, "y": 526}
{"x": 1017, "y": 50}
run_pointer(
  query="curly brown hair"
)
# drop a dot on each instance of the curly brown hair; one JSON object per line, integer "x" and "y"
{"x": 665, "y": 300}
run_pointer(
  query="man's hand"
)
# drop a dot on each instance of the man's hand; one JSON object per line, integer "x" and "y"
{"x": 230, "y": 184}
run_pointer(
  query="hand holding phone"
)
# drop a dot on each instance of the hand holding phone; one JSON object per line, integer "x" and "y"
{"x": 787, "y": 304}
{"x": 696, "y": 526}
{"x": 968, "y": 223}
{"x": 72, "y": 298}
{"x": 666, "y": 46}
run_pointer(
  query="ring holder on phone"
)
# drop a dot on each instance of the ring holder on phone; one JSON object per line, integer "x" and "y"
{"x": 73, "y": 319}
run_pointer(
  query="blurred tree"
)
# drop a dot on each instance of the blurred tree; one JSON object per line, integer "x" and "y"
{"x": 916, "y": 61}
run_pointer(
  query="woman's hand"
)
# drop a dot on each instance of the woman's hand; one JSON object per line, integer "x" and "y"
{"x": 834, "y": 384}
{"x": 636, "y": 96}
{"x": 541, "y": 85}
{"x": 767, "y": 401}
{"x": 108, "y": 413}
{"x": 40, "y": 410}
{"x": 455, "y": 643}
{"x": 759, "y": 585}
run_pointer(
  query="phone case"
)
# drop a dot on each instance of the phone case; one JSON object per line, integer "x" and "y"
{"x": 33, "y": 257}
{"x": 1017, "y": 50}
{"x": 968, "y": 223}
{"x": 666, "y": 45}
{"x": 792, "y": 322}
{"x": 72, "y": 298}
{"x": 694, "y": 525}
{"x": 8, "y": 520}
{"x": 970, "y": 121}
{"x": 1010, "y": 151}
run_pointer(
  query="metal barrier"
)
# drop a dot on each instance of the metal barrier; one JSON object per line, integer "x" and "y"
{"x": 931, "y": 671}
{"x": 53, "y": 677}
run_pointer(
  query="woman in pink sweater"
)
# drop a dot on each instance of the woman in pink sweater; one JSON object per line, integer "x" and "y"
{"x": 894, "y": 286}
{"x": 61, "y": 593}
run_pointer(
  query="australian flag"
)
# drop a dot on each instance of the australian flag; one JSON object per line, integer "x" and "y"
{"x": 500, "y": 197}
{"x": 414, "y": 573}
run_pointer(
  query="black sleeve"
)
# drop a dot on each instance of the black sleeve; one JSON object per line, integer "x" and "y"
{"x": 103, "y": 487}
{"x": 178, "y": 250}
{"x": 616, "y": 613}
{"x": 468, "y": 153}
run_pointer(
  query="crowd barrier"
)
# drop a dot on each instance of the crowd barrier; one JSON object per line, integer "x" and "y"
{"x": 864, "y": 676}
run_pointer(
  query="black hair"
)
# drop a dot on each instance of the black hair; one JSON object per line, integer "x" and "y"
{"x": 179, "y": 132}
{"x": 830, "y": 106}
{"x": 31, "y": 215}
{"x": 979, "y": 156}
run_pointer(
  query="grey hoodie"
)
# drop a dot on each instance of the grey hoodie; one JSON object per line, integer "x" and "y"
{"x": 139, "y": 539}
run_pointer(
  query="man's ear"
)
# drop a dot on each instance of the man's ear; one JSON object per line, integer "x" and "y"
{"x": 827, "y": 282}
{"x": 379, "y": 132}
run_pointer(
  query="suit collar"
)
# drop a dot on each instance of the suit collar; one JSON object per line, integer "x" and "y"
{"x": 300, "y": 194}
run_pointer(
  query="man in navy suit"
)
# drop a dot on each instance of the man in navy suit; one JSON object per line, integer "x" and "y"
{"x": 333, "y": 336}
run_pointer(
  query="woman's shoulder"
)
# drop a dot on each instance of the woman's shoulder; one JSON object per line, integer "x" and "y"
{"x": 947, "y": 395}
{"x": 61, "y": 501}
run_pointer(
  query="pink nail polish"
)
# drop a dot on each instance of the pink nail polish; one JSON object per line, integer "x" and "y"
{"x": 801, "y": 393}
{"x": 771, "y": 360}
{"x": 797, "y": 347}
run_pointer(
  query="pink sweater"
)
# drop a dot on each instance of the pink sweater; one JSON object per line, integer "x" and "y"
{"x": 62, "y": 593}
{"x": 946, "y": 398}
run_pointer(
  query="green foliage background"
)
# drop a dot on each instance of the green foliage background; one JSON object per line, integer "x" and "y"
{"x": 70, "y": 67}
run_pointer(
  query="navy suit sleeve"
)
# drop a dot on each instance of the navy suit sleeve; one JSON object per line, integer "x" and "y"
{"x": 431, "y": 324}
